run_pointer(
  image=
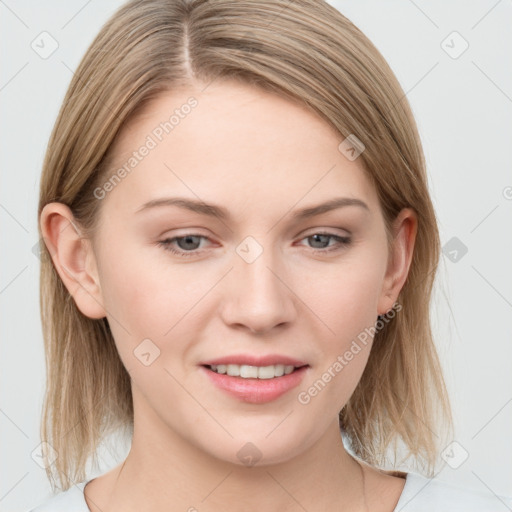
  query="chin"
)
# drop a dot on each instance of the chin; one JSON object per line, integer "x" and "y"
{"x": 258, "y": 450}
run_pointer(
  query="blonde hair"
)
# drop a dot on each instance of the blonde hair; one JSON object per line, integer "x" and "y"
{"x": 306, "y": 51}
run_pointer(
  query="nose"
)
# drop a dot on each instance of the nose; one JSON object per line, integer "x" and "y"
{"x": 257, "y": 295}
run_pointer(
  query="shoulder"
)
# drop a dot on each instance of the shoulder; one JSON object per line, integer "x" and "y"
{"x": 71, "y": 500}
{"x": 422, "y": 494}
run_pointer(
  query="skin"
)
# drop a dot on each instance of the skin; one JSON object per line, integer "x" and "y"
{"x": 261, "y": 157}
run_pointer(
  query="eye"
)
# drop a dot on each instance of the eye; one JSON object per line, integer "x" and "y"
{"x": 187, "y": 244}
{"x": 321, "y": 239}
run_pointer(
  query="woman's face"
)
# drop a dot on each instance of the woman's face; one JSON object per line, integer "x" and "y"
{"x": 264, "y": 275}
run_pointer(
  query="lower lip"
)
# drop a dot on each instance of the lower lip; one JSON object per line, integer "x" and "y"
{"x": 256, "y": 391}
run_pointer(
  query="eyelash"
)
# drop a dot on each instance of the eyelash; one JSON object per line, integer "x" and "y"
{"x": 344, "y": 241}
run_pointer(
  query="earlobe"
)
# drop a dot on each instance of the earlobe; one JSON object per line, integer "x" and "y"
{"x": 404, "y": 231}
{"x": 70, "y": 253}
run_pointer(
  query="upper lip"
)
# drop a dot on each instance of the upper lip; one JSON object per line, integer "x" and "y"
{"x": 252, "y": 360}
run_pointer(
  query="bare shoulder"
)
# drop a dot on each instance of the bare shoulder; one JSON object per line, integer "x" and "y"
{"x": 97, "y": 492}
{"x": 383, "y": 488}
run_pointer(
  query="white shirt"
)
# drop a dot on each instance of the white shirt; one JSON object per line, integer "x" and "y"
{"x": 420, "y": 494}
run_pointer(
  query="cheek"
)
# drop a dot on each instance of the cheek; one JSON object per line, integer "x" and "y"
{"x": 345, "y": 299}
{"x": 149, "y": 297}
{"x": 140, "y": 290}
{"x": 345, "y": 296}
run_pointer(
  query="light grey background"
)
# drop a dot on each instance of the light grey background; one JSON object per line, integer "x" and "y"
{"x": 463, "y": 107}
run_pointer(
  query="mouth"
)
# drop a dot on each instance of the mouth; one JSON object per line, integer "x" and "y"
{"x": 254, "y": 384}
{"x": 246, "y": 371}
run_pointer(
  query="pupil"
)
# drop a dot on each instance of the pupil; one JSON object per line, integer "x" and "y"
{"x": 187, "y": 239}
{"x": 316, "y": 237}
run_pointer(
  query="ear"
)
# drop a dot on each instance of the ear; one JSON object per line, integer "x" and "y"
{"x": 404, "y": 235}
{"x": 73, "y": 258}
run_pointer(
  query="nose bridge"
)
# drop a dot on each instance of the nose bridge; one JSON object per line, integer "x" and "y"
{"x": 257, "y": 296}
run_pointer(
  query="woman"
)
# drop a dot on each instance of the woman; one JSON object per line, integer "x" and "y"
{"x": 240, "y": 252}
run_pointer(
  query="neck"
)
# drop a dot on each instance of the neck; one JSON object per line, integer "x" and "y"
{"x": 165, "y": 472}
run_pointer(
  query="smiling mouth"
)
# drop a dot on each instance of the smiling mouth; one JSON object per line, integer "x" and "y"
{"x": 245, "y": 371}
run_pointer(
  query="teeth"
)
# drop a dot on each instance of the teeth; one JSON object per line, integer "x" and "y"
{"x": 233, "y": 370}
{"x": 253, "y": 372}
{"x": 279, "y": 370}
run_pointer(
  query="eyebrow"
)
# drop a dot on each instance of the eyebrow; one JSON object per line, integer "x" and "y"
{"x": 218, "y": 211}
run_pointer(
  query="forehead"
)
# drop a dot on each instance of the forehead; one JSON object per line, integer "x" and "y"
{"x": 233, "y": 144}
